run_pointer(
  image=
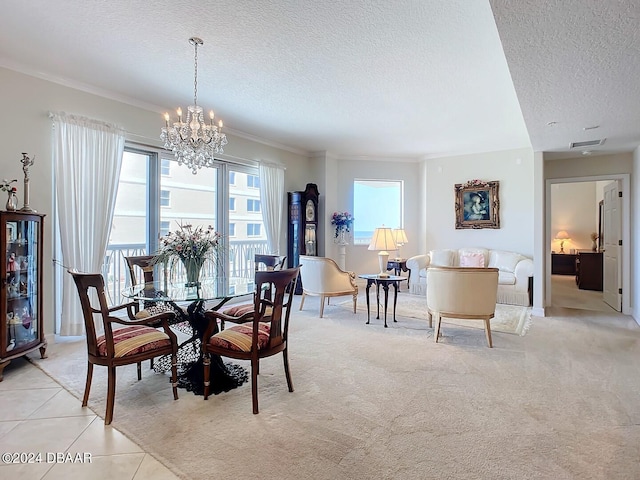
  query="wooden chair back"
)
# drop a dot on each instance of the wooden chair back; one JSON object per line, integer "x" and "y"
{"x": 274, "y": 289}
{"x": 269, "y": 262}
{"x": 146, "y": 263}
{"x": 281, "y": 284}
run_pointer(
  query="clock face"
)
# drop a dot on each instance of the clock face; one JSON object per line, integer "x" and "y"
{"x": 310, "y": 211}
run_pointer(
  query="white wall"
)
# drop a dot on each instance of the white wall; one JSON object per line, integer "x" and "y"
{"x": 358, "y": 258}
{"x": 574, "y": 208}
{"x": 26, "y": 102}
{"x": 513, "y": 169}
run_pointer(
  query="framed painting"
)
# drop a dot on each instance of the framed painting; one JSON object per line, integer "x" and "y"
{"x": 477, "y": 204}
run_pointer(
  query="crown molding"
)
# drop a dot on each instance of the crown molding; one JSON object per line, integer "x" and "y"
{"x": 101, "y": 92}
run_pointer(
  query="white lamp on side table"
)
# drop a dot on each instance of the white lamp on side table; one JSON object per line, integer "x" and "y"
{"x": 400, "y": 238}
{"x": 383, "y": 241}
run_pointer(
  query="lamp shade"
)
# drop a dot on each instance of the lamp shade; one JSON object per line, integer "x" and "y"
{"x": 400, "y": 236}
{"x": 382, "y": 240}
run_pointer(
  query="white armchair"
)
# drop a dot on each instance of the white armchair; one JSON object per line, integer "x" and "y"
{"x": 460, "y": 292}
{"x": 321, "y": 277}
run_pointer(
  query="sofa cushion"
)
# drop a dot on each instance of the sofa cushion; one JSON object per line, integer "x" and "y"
{"x": 472, "y": 260}
{"x": 442, "y": 258}
{"x": 506, "y": 278}
{"x": 504, "y": 261}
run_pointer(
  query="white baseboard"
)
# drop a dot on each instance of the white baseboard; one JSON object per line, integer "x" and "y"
{"x": 537, "y": 311}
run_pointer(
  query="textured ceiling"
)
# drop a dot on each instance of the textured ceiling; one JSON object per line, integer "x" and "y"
{"x": 406, "y": 79}
{"x": 576, "y": 63}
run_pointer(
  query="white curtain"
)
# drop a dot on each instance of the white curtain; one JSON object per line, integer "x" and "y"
{"x": 87, "y": 159}
{"x": 272, "y": 199}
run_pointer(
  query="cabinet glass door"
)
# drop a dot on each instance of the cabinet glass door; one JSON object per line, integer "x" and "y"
{"x": 22, "y": 274}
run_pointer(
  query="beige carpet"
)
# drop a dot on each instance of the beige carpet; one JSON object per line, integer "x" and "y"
{"x": 375, "y": 403}
{"x": 565, "y": 293}
{"x": 508, "y": 318}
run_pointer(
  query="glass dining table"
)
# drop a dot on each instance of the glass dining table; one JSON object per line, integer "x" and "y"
{"x": 189, "y": 303}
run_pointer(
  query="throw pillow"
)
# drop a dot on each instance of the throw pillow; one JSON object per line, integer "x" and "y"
{"x": 472, "y": 260}
{"x": 505, "y": 261}
{"x": 441, "y": 258}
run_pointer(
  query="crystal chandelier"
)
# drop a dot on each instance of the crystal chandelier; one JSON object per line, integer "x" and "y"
{"x": 193, "y": 141}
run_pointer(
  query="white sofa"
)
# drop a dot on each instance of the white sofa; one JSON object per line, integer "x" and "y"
{"x": 515, "y": 271}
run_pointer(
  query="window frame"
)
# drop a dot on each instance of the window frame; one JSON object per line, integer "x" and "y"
{"x": 366, "y": 210}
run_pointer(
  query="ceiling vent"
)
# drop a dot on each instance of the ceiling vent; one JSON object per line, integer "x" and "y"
{"x": 588, "y": 143}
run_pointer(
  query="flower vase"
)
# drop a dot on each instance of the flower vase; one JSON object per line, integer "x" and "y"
{"x": 12, "y": 202}
{"x": 341, "y": 239}
{"x": 192, "y": 267}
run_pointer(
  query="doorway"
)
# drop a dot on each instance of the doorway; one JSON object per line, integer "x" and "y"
{"x": 564, "y": 199}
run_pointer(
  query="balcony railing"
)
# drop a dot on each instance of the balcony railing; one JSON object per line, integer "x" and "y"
{"x": 240, "y": 254}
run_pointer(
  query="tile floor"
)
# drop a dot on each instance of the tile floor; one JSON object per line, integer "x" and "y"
{"x": 37, "y": 415}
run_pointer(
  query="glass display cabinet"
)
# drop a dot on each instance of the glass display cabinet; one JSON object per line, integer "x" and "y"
{"x": 21, "y": 323}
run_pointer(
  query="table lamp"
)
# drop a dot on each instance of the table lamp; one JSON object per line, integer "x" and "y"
{"x": 383, "y": 241}
{"x": 562, "y": 235}
{"x": 400, "y": 238}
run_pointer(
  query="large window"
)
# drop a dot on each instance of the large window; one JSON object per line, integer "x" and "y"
{"x": 376, "y": 203}
{"x": 142, "y": 214}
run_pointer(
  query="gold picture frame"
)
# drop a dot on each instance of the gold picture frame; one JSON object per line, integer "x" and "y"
{"x": 477, "y": 204}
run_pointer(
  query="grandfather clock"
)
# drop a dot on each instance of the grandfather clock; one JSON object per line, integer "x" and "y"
{"x": 302, "y": 226}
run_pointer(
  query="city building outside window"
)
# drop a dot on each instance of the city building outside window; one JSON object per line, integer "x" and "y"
{"x": 253, "y": 229}
{"x": 165, "y": 227}
{"x": 165, "y": 166}
{"x": 232, "y": 204}
{"x": 165, "y": 198}
{"x": 253, "y": 181}
{"x": 253, "y": 205}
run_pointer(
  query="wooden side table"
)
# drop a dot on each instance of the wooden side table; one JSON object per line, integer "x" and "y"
{"x": 385, "y": 282}
{"x": 399, "y": 265}
{"x": 563, "y": 263}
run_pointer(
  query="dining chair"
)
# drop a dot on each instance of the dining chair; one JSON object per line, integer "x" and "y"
{"x": 269, "y": 262}
{"x": 262, "y": 262}
{"x": 256, "y": 336}
{"x": 146, "y": 264}
{"x": 462, "y": 292}
{"x": 124, "y": 341}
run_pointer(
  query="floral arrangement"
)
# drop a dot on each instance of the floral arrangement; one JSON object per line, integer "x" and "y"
{"x": 192, "y": 246}
{"x": 342, "y": 221}
{"x": 594, "y": 236}
{"x": 5, "y": 186}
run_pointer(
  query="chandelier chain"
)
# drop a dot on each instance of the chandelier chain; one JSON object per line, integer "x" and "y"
{"x": 195, "y": 76}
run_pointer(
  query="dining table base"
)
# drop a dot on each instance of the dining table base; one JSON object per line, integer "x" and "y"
{"x": 223, "y": 376}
